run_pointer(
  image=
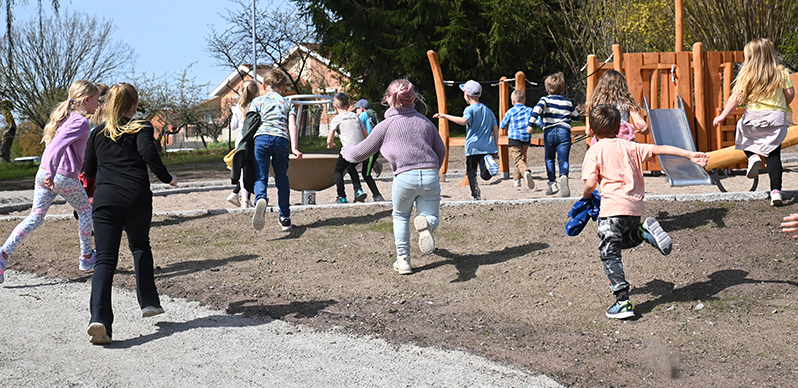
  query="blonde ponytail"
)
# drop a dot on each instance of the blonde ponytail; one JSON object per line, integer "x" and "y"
{"x": 120, "y": 99}
{"x": 249, "y": 90}
{"x": 78, "y": 91}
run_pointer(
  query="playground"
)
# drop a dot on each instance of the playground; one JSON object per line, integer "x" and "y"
{"x": 505, "y": 282}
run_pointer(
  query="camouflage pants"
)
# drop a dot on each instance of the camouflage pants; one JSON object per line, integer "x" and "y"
{"x": 617, "y": 233}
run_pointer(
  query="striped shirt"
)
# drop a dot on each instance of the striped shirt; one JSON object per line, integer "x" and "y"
{"x": 556, "y": 110}
{"x": 515, "y": 121}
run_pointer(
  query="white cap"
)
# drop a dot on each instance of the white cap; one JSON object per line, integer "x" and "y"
{"x": 472, "y": 88}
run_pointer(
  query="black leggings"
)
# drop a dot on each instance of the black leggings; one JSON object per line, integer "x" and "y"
{"x": 472, "y": 163}
{"x": 342, "y": 165}
{"x": 109, "y": 222}
{"x": 774, "y": 167}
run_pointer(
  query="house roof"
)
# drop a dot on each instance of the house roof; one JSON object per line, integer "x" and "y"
{"x": 234, "y": 75}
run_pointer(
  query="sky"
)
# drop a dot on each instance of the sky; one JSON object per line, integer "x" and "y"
{"x": 166, "y": 35}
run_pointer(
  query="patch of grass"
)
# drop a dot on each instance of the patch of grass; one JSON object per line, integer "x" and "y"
{"x": 381, "y": 227}
{"x": 18, "y": 170}
{"x": 314, "y": 145}
{"x": 181, "y": 158}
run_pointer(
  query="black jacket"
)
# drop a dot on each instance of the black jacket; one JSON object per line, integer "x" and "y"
{"x": 245, "y": 152}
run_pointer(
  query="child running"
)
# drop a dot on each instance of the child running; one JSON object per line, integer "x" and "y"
{"x": 414, "y": 149}
{"x": 117, "y": 155}
{"x": 612, "y": 89}
{"x": 617, "y": 166}
{"x": 764, "y": 87}
{"x": 482, "y": 136}
{"x": 65, "y": 136}
{"x": 275, "y": 139}
{"x": 515, "y": 121}
{"x": 249, "y": 90}
{"x": 370, "y": 120}
{"x": 557, "y": 113}
{"x": 351, "y": 131}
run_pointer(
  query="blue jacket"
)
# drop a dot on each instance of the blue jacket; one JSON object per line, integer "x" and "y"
{"x": 581, "y": 212}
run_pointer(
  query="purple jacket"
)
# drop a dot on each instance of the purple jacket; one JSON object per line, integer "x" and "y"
{"x": 65, "y": 152}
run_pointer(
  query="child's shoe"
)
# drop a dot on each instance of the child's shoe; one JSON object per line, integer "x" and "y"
{"x": 151, "y": 311}
{"x": 341, "y": 200}
{"x": 621, "y": 310}
{"x": 565, "y": 191}
{"x": 360, "y": 196}
{"x": 402, "y": 265}
{"x": 98, "y": 334}
{"x": 285, "y": 223}
{"x": 493, "y": 168}
{"x": 426, "y": 242}
{"x": 754, "y": 163}
{"x": 377, "y": 169}
{"x": 87, "y": 263}
{"x": 379, "y": 198}
{"x": 529, "y": 181}
{"x": 516, "y": 183}
{"x": 477, "y": 194}
{"x": 553, "y": 189}
{"x": 259, "y": 218}
{"x": 653, "y": 233}
{"x": 233, "y": 198}
{"x": 775, "y": 198}
{"x": 3, "y": 264}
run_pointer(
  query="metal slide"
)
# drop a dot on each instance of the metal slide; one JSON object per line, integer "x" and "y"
{"x": 670, "y": 127}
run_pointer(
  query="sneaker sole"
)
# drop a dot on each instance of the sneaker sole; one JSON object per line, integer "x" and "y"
{"x": 87, "y": 267}
{"x": 284, "y": 228}
{"x": 259, "y": 218}
{"x": 425, "y": 240}
{"x": 151, "y": 313}
{"x": 361, "y": 197}
{"x": 529, "y": 181}
{"x": 234, "y": 201}
{"x": 565, "y": 190}
{"x": 98, "y": 334}
{"x": 664, "y": 242}
{"x": 754, "y": 170}
{"x": 401, "y": 270}
{"x": 621, "y": 315}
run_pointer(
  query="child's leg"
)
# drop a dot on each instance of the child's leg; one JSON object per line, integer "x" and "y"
{"x": 563, "y": 150}
{"x": 472, "y": 162}
{"x": 42, "y": 199}
{"x": 403, "y": 195}
{"x": 366, "y": 171}
{"x": 483, "y": 169}
{"x": 340, "y": 166}
{"x": 75, "y": 195}
{"x": 351, "y": 169}
{"x": 549, "y": 153}
{"x": 108, "y": 226}
{"x": 262, "y": 159}
{"x": 518, "y": 154}
{"x": 775, "y": 168}
{"x": 613, "y": 233}
{"x": 428, "y": 205}
{"x": 137, "y": 227}
{"x": 280, "y": 166}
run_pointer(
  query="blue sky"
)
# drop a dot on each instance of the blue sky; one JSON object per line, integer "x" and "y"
{"x": 166, "y": 35}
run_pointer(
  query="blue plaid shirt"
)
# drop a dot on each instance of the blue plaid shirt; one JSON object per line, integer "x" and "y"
{"x": 515, "y": 121}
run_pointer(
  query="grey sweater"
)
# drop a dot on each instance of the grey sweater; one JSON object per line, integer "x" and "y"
{"x": 406, "y": 138}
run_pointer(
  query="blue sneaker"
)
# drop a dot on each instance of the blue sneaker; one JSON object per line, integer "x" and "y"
{"x": 493, "y": 168}
{"x": 87, "y": 263}
{"x": 653, "y": 233}
{"x": 341, "y": 200}
{"x": 621, "y": 310}
{"x": 360, "y": 196}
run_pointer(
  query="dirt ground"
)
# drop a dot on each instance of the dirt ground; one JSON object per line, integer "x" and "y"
{"x": 505, "y": 281}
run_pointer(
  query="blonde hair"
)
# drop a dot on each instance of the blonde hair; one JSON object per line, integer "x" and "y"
{"x": 611, "y": 89}
{"x": 401, "y": 93}
{"x": 555, "y": 83}
{"x": 119, "y": 100}
{"x": 760, "y": 75}
{"x": 99, "y": 114}
{"x": 518, "y": 96}
{"x": 249, "y": 90}
{"x": 78, "y": 92}
{"x": 275, "y": 79}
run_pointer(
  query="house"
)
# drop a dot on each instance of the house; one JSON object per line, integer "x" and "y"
{"x": 302, "y": 63}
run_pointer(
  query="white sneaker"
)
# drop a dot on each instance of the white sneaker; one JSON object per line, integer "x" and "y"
{"x": 516, "y": 183}
{"x": 754, "y": 163}
{"x": 775, "y": 198}
{"x": 98, "y": 334}
{"x": 552, "y": 188}
{"x": 259, "y": 218}
{"x": 529, "y": 181}
{"x": 151, "y": 311}
{"x": 402, "y": 265}
{"x": 565, "y": 191}
{"x": 233, "y": 198}
{"x": 425, "y": 240}
{"x": 490, "y": 163}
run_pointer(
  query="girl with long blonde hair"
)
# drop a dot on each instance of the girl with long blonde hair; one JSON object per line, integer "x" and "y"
{"x": 612, "y": 89}
{"x": 764, "y": 87}
{"x": 249, "y": 90}
{"x": 118, "y": 154}
{"x": 65, "y": 135}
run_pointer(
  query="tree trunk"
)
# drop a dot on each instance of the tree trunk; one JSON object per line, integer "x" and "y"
{"x": 10, "y": 132}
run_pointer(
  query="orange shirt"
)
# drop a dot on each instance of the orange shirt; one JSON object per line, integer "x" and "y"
{"x": 617, "y": 166}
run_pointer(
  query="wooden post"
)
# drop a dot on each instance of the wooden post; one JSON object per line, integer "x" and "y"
{"x": 504, "y": 106}
{"x": 701, "y": 130}
{"x": 617, "y": 58}
{"x": 440, "y": 93}
{"x": 592, "y": 79}
{"x": 679, "y": 26}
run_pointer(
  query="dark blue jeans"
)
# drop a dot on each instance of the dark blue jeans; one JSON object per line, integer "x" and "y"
{"x": 556, "y": 143}
{"x": 273, "y": 150}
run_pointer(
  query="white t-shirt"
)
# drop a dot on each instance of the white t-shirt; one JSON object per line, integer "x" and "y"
{"x": 347, "y": 124}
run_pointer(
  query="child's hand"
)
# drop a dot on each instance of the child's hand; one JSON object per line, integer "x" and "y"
{"x": 699, "y": 158}
{"x": 48, "y": 183}
{"x": 717, "y": 121}
{"x": 791, "y": 225}
{"x": 298, "y": 155}
{"x": 528, "y": 129}
{"x": 173, "y": 183}
{"x": 436, "y": 115}
{"x": 330, "y": 144}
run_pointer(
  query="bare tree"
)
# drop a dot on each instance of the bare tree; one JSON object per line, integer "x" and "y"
{"x": 277, "y": 32}
{"x": 50, "y": 55}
